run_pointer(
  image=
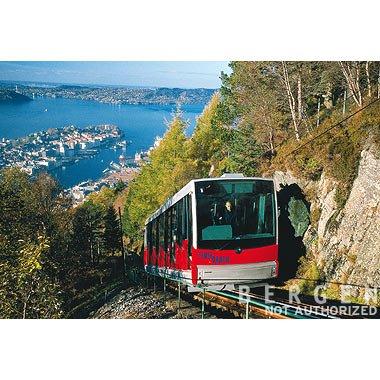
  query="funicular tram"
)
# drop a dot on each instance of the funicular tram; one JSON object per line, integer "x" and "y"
{"x": 215, "y": 233}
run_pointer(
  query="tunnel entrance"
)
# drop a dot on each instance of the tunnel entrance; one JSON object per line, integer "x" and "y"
{"x": 293, "y": 222}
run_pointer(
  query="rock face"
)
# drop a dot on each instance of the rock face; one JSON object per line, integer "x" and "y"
{"x": 345, "y": 243}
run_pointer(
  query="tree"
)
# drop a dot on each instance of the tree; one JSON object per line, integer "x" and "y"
{"x": 352, "y": 73}
{"x": 206, "y": 143}
{"x": 111, "y": 231}
{"x": 87, "y": 232}
{"x": 120, "y": 186}
{"x": 165, "y": 173}
{"x": 244, "y": 153}
{"x": 26, "y": 290}
{"x": 103, "y": 198}
{"x": 49, "y": 252}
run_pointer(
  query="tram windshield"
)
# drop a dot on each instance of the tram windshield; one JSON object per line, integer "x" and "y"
{"x": 235, "y": 213}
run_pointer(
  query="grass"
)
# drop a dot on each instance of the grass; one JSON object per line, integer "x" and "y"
{"x": 337, "y": 152}
{"x": 315, "y": 214}
{"x": 310, "y": 274}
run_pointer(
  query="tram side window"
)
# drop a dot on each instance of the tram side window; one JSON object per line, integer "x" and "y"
{"x": 149, "y": 238}
{"x": 180, "y": 224}
{"x": 161, "y": 231}
{"x": 166, "y": 226}
{"x": 269, "y": 214}
{"x": 157, "y": 241}
{"x": 174, "y": 236}
{"x": 184, "y": 219}
{"x": 153, "y": 226}
{"x": 168, "y": 230}
{"x": 189, "y": 234}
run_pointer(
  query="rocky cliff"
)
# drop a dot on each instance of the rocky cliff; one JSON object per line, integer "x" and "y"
{"x": 343, "y": 243}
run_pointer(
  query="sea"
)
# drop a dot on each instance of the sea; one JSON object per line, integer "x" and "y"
{"x": 140, "y": 123}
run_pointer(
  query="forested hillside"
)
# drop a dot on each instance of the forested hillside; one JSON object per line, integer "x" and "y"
{"x": 9, "y": 96}
{"x": 53, "y": 255}
{"x": 267, "y": 116}
{"x": 315, "y": 124}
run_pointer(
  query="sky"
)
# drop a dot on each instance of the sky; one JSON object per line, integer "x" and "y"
{"x": 189, "y": 74}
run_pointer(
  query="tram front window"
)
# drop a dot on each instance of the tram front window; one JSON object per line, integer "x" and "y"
{"x": 236, "y": 213}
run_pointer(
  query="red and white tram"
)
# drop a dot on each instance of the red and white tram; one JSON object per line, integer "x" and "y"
{"x": 215, "y": 233}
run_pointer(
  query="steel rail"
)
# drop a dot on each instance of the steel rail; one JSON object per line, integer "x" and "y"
{"x": 298, "y": 307}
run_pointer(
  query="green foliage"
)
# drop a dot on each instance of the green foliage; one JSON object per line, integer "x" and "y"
{"x": 205, "y": 148}
{"x": 119, "y": 187}
{"x": 212, "y": 149}
{"x": 104, "y": 198}
{"x": 31, "y": 244}
{"x": 49, "y": 251}
{"x": 87, "y": 232}
{"x": 26, "y": 291}
{"x": 311, "y": 167}
{"x": 168, "y": 170}
{"x": 112, "y": 240}
{"x": 244, "y": 152}
{"x": 332, "y": 292}
{"x": 345, "y": 156}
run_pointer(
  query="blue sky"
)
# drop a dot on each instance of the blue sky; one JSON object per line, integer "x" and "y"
{"x": 133, "y": 73}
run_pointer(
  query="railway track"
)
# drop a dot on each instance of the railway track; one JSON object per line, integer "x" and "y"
{"x": 280, "y": 307}
{"x": 255, "y": 305}
{"x": 252, "y": 305}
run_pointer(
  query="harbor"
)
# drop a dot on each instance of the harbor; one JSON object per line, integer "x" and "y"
{"x": 58, "y": 147}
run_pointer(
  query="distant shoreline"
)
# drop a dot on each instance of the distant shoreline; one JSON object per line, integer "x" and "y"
{"x": 9, "y": 96}
{"x": 115, "y": 95}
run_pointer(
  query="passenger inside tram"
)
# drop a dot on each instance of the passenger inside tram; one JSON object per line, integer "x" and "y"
{"x": 235, "y": 210}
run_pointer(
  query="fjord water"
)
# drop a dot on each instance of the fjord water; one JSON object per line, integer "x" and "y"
{"x": 140, "y": 123}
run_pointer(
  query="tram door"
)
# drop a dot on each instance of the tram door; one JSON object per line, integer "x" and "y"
{"x": 182, "y": 233}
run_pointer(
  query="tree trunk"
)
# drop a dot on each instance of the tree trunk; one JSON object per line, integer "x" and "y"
{"x": 299, "y": 96}
{"x": 358, "y": 84}
{"x": 328, "y": 97}
{"x": 318, "y": 112}
{"x": 271, "y": 143}
{"x": 24, "y": 310}
{"x": 352, "y": 79}
{"x": 25, "y": 305}
{"x": 368, "y": 79}
{"x": 91, "y": 250}
{"x": 211, "y": 171}
{"x": 291, "y": 100}
{"x": 344, "y": 102}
